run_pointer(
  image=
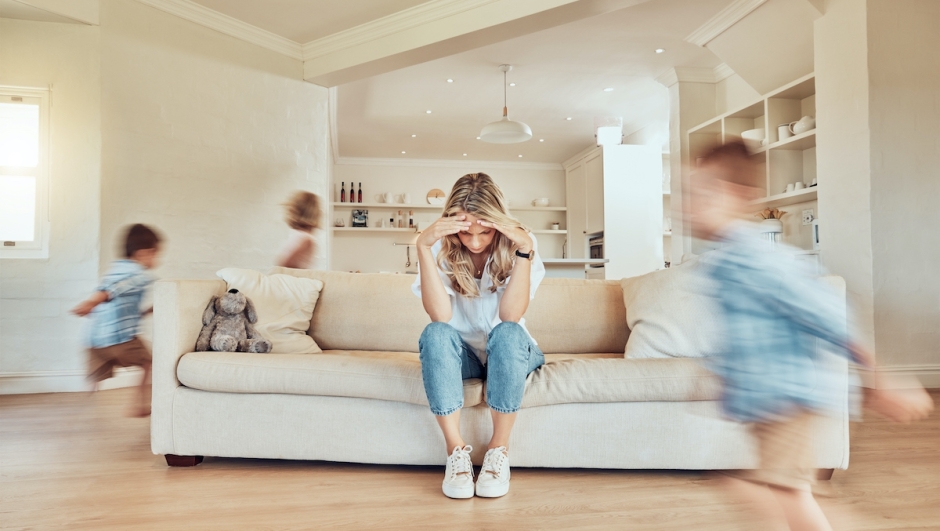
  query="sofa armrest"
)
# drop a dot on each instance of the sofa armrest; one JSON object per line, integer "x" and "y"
{"x": 177, "y": 321}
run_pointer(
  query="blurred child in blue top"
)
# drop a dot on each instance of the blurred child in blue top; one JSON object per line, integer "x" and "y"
{"x": 115, "y": 311}
{"x": 772, "y": 312}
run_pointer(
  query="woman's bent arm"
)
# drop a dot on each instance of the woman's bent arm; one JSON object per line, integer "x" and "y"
{"x": 435, "y": 299}
{"x": 515, "y": 300}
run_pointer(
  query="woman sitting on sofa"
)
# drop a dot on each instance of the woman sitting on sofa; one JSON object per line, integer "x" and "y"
{"x": 478, "y": 270}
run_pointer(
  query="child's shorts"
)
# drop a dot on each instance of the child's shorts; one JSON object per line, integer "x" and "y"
{"x": 101, "y": 361}
{"x": 787, "y": 457}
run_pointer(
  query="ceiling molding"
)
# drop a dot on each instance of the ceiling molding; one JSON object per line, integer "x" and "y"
{"x": 436, "y": 163}
{"x": 692, "y": 74}
{"x": 230, "y": 26}
{"x": 727, "y": 17}
{"x": 404, "y": 20}
{"x": 723, "y": 71}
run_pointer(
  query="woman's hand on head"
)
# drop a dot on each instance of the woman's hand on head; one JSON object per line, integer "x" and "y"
{"x": 442, "y": 227}
{"x": 517, "y": 235}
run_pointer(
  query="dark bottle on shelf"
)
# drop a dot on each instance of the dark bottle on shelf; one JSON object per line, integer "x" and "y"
{"x": 342, "y": 193}
{"x": 359, "y": 200}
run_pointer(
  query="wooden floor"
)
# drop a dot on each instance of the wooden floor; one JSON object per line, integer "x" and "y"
{"x": 73, "y": 461}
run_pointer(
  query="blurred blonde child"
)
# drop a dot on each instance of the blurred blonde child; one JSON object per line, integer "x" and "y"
{"x": 302, "y": 213}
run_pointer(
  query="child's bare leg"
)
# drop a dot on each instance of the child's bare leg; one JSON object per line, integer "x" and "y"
{"x": 144, "y": 400}
{"x": 760, "y": 499}
{"x": 801, "y": 510}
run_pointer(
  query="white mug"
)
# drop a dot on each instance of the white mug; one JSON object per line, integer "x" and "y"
{"x": 388, "y": 197}
{"x": 790, "y": 187}
{"x": 783, "y": 132}
{"x": 406, "y": 198}
{"x": 799, "y": 185}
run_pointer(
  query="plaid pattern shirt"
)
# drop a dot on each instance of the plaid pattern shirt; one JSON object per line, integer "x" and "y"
{"x": 774, "y": 310}
{"x": 115, "y": 321}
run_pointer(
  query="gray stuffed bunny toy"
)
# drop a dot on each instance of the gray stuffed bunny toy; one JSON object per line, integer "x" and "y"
{"x": 226, "y": 326}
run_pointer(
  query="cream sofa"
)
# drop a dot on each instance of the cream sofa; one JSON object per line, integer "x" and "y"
{"x": 362, "y": 399}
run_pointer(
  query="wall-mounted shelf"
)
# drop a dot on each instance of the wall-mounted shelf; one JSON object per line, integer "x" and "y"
{"x": 789, "y": 198}
{"x": 798, "y": 142}
{"x": 549, "y": 231}
{"x": 393, "y": 206}
{"x": 403, "y": 206}
{"x": 371, "y": 229}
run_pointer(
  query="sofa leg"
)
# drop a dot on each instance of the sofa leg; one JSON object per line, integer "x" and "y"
{"x": 824, "y": 474}
{"x": 183, "y": 460}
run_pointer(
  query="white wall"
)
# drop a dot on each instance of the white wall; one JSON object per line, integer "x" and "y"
{"x": 41, "y": 348}
{"x": 733, "y": 93}
{"x": 843, "y": 154}
{"x": 904, "y": 81}
{"x": 204, "y": 136}
{"x": 373, "y": 252}
{"x": 160, "y": 121}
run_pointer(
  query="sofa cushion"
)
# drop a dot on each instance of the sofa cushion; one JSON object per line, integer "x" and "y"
{"x": 284, "y": 304}
{"x": 570, "y": 316}
{"x": 363, "y": 311}
{"x": 392, "y": 376}
{"x": 671, "y": 315}
{"x": 575, "y": 316}
{"x": 590, "y": 379}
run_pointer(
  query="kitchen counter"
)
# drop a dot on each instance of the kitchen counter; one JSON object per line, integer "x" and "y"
{"x": 569, "y": 267}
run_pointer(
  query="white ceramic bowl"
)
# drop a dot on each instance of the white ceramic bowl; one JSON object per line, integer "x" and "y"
{"x": 540, "y": 202}
{"x": 753, "y": 135}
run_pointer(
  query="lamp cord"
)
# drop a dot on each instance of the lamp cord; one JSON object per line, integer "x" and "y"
{"x": 505, "y": 106}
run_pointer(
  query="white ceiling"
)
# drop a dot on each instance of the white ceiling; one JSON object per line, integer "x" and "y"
{"x": 558, "y": 72}
{"x": 307, "y": 20}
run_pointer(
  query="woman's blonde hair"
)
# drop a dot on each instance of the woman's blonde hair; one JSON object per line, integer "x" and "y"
{"x": 477, "y": 194}
{"x": 303, "y": 211}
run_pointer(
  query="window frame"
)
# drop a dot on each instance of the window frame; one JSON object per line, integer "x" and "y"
{"x": 39, "y": 247}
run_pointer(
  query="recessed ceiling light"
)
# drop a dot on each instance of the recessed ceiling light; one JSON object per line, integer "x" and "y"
{"x": 609, "y": 89}
{"x": 450, "y": 80}
{"x": 568, "y": 118}
{"x": 464, "y": 154}
{"x": 660, "y": 50}
{"x": 512, "y": 84}
{"x": 414, "y": 136}
{"x": 541, "y": 140}
{"x": 478, "y": 138}
{"x": 402, "y": 152}
{"x": 429, "y": 111}
{"x": 520, "y": 156}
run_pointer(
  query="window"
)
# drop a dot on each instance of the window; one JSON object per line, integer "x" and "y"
{"x": 24, "y": 147}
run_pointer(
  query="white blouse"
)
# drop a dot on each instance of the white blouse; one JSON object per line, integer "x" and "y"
{"x": 475, "y": 317}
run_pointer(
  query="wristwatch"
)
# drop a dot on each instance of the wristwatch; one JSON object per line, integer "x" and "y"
{"x": 528, "y": 256}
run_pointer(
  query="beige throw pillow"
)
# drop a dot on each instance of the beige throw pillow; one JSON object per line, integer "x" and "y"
{"x": 284, "y": 304}
{"x": 670, "y": 314}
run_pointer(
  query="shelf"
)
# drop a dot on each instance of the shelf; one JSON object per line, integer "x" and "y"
{"x": 371, "y": 229}
{"x": 402, "y": 206}
{"x": 791, "y": 198}
{"x": 534, "y": 209}
{"x": 549, "y": 231}
{"x": 798, "y": 142}
{"x": 392, "y": 206}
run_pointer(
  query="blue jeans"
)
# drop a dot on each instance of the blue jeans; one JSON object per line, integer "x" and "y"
{"x": 446, "y": 361}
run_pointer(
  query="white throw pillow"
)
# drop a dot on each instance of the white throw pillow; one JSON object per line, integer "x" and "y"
{"x": 671, "y": 315}
{"x": 284, "y": 304}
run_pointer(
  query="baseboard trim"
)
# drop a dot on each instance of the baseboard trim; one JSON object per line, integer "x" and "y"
{"x": 21, "y": 383}
{"x": 929, "y": 375}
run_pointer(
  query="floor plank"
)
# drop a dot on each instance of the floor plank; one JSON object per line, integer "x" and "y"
{"x": 73, "y": 461}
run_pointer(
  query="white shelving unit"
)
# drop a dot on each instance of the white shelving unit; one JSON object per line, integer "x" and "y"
{"x": 782, "y": 161}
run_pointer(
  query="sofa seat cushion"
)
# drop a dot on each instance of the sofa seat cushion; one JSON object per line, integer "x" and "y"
{"x": 392, "y": 376}
{"x": 606, "y": 378}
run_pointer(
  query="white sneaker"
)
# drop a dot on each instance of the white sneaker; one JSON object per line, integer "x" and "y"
{"x": 494, "y": 476}
{"x": 458, "y": 474}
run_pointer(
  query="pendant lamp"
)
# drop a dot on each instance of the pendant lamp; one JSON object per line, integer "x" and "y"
{"x": 505, "y": 131}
